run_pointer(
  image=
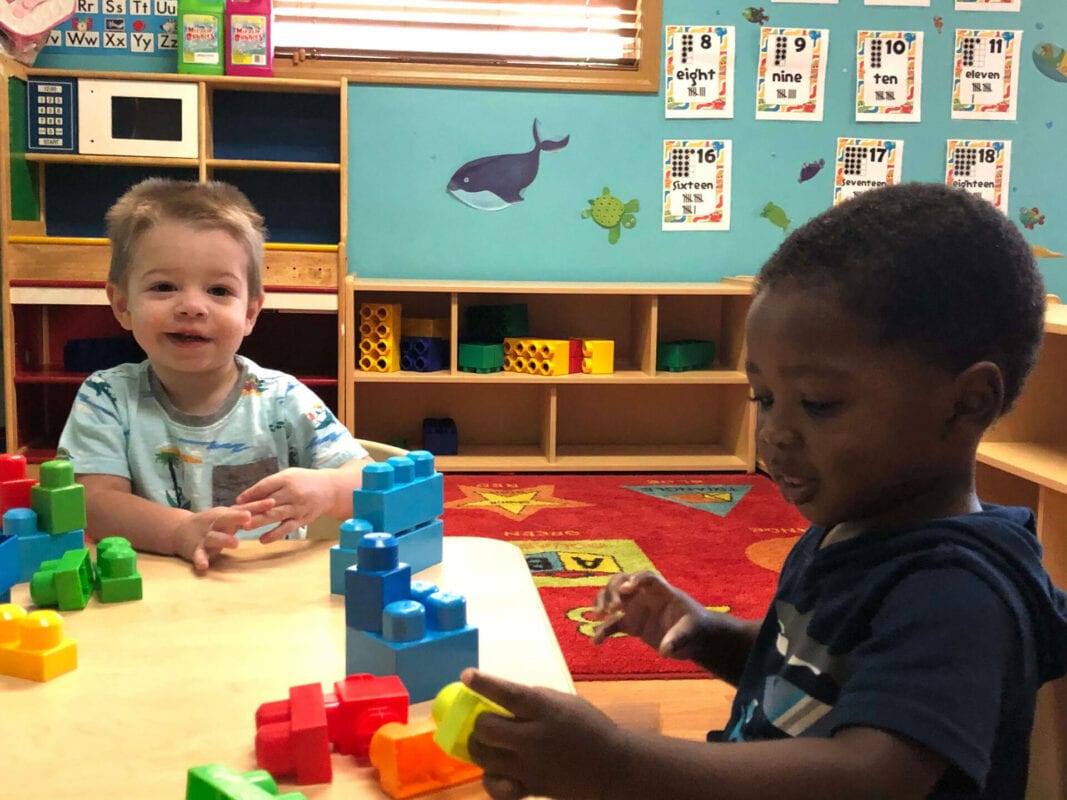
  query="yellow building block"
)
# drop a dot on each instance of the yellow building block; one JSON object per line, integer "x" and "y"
{"x": 433, "y": 328}
{"x": 379, "y": 337}
{"x": 455, "y": 710}
{"x": 598, "y": 356}
{"x": 410, "y": 763}
{"x": 32, "y": 646}
{"x": 537, "y": 356}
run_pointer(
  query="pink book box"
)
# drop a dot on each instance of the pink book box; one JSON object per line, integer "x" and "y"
{"x": 25, "y": 24}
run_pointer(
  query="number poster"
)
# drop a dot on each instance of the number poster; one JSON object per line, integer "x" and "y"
{"x": 863, "y": 164}
{"x": 889, "y": 76}
{"x": 696, "y": 184}
{"x": 916, "y": 3}
{"x": 812, "y": 2}
{"x": 700, "y": 71}
{"x": 792, "y": 73}
{"x": 985, "y": 74}
{"x": 982, "y": 167}
{"x": 989, "y": 5}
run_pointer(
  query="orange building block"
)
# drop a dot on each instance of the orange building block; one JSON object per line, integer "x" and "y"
{"x": 32, "y": 646}
{"x": 409, "y": 762}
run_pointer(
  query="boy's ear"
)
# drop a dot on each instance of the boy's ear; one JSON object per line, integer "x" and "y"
{"x": 120, "y": 304}
{"x": 979, "y": 393}
{"x": 255, "y": 305}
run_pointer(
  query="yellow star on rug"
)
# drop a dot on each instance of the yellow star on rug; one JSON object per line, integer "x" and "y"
{"x": 513, "y": 503}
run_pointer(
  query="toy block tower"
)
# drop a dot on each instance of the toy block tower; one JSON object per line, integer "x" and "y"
{"x": 14, "y": 485}
{"x": 379, "y": 337}
{"x": 32, "y": 646}
{"x": 405, "y": 496}
{"x": 422, "y": 637}
{"x": 57, "y": 499}
{"x": 345, "y": 553}
{"x": 35, "y": 547}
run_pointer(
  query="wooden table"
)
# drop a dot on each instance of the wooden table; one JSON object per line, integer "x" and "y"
{"x": 174, "y": 680}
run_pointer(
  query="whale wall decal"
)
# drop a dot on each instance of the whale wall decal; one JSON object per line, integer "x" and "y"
{"x": 495, "y": 182}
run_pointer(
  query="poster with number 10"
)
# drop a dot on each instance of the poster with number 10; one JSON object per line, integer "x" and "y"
{"x": 889, "y": 67}
{"x": 700, "y": 71}
{"x": 792, "y": 73}
{"x": 985, "y": 74}
{"x": 696, "y": 184}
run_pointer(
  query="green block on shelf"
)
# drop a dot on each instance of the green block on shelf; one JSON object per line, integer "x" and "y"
{"x": 497, "y": 323}
{"x": 117, "y": 578}
{"x": 481, "y": 357}
{"x": 66, "y": 582}
{"x": 685, "y": 354}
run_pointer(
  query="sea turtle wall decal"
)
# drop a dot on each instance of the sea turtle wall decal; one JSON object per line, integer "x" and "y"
{"x": 610, "y": 212}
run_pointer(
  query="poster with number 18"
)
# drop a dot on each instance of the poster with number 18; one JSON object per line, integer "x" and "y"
{"x": 981, "y": 167}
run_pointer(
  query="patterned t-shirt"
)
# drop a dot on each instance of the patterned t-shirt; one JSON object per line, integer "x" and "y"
{"x": 122, "y": 423}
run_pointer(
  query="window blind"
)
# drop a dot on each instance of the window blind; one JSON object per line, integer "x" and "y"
{"x": 555, "y": 33}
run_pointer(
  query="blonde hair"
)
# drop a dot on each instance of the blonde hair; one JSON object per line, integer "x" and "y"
{"x": 207, "y": 206}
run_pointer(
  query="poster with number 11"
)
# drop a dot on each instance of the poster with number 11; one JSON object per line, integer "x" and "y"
{"x": 985, "y": 74}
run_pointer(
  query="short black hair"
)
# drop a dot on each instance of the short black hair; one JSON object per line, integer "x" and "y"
{"x": 932, "y": 268}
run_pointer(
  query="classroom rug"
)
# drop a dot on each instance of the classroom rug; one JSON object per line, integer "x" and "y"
{"x": 719, "y": 537}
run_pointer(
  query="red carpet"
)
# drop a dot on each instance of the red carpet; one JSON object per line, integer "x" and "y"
{"x": 721, "y": 538}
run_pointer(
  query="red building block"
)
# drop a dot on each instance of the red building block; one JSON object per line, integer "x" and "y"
{"x": 14, "y": 485}
{"x": 359, "y": 706}
{"x": 291, "y": 736}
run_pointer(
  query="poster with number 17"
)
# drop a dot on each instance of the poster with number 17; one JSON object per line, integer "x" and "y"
{"x": 863, "y": 164}
{"x": 696, "y": 184}
{"x": 791, "y": 80}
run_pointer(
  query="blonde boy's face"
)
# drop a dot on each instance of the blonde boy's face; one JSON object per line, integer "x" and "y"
{"x": 186, "y": 301}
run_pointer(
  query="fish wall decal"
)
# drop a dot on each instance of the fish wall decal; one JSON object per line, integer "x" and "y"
{"x": 495, "y": 182}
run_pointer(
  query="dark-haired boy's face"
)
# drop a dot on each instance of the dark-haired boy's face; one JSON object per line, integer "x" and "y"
{"x": 851, "y": 432}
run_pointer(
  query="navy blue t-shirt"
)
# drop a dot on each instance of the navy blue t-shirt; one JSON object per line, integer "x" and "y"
{"x": 941, "y": 634}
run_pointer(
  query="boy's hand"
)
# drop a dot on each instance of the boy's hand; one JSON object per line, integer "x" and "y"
{"x": 643, "y": 604}
{"x": 298, "y": 497}
{"x": 558, "y": 745}
{"x": 205, "y": 534}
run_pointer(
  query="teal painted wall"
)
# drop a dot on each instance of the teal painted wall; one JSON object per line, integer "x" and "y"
{"x": 405, "y": 144}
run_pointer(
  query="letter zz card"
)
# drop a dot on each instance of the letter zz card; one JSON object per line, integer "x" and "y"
{"x": 985, "y": 74}
{"x": 696, "y": 184}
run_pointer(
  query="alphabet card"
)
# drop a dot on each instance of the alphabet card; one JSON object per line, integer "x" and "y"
{"x": 700, "y": 71}
{"x": 696, "y": 184}
{"x": 792, "y": 73}
{"x": 985, "y": 74}
{"x": 863, "y": 164}
{"x": 980, "y": 166}
{"x": 889, "y": 67}
{"x": 989, "y": 5}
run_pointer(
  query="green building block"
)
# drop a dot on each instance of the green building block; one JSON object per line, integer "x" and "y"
{"x": 218, "y": 782}
{"x": 684, "y": 355}
{"x": 496, "y": 323}
{"x": 57, "y": 499}
{"x": 66, "y": 582}
{"x": 481, "y": 357}
{"x": 117, "y": 578}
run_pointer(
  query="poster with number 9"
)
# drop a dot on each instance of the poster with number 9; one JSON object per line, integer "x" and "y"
{"x": 792, "y": 73}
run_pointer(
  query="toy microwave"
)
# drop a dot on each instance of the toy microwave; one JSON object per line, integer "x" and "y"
{"x": 155, "y": 119}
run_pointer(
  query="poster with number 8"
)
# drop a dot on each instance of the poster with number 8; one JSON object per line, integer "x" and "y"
{"x": 981, "y": 167}
{"x": 792, "y": 73}
{"x": 863, "y": 164}
{"x": 985, "y": 74}
{"x": 696, "y": 184}
{"x": 700, "y": 71}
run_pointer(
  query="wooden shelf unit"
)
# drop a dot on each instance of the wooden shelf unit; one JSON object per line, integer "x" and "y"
{"x": 636, "y": 419}
{"x": 281, "y": 141}
{"x": 1023, "y": 461}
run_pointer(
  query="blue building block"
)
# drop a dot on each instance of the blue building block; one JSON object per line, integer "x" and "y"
{"x": 401, "y": 493}
{"x": 427, "y": 645}
{"x": 35, "y": 546}
{"x": 439, "y": 436}
{"x": 9, "y": 565}
{"x": 345, "y": 553}
{"x": 423, "y": 546}
{"x": 423, "y": 353}
{"x": 377, "y": 580}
